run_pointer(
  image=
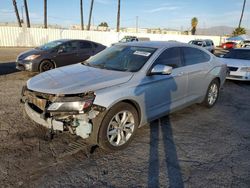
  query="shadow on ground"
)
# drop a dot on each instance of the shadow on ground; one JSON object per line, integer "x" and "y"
{"x": 173, "y": 170}
{"x": 7, "y": 68}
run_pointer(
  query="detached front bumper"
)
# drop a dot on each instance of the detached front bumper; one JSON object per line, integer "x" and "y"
{"x": 76, "y": 122}
{"x": 48, "y": 122}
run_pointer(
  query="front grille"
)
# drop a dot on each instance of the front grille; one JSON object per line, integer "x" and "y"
{"x": 233, "y": 68}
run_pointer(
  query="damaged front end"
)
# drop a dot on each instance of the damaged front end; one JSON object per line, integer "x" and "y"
{"x": 73, "y": 113}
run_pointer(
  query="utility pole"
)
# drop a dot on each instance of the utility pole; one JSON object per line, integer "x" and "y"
{"x": 17, "y": 14}
{"x": 136, "y": 24}
{"x": 90, "y": 14}
{"x": 81, "y": 12}
{"x": 242, "y": 13}
{"x": 27, "y": 13}
{"x": 45, "y": 14}
{"x": 118, "y": 16}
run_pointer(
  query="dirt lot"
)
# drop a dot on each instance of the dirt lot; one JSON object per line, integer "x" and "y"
{"x": 195, "y": 147}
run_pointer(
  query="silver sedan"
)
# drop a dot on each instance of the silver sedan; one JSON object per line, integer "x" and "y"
{"x": 106, "y": 98}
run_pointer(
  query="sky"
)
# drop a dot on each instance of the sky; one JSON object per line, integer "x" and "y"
{"x": 174, "y": 14}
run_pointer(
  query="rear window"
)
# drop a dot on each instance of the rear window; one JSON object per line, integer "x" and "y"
{"x": 194, "y": 56}
{"x": 85, "y": 45}
{"x": 238, "y": 54}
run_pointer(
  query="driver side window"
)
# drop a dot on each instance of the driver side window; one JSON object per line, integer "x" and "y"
{"x": 170, "y": 57}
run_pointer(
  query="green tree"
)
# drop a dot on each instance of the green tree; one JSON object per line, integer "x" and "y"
{"x": 103, "y": 24}
{"x": 239, "y": 31}
{"x": 194, "y": 23}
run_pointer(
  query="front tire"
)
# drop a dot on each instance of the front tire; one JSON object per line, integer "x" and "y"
{"x": 118, "y": 127}
{"x": 46, "y": 65}
{"x": 212, "y": 94}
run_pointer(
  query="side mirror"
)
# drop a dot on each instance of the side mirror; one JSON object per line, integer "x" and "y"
{"x": 161, "y": 70}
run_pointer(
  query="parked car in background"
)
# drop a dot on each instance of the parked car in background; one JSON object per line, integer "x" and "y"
{"x": 56, "y": 54}
{"x": 238, "y": 63}
{"x": 207, "y": 44}
{"x": 245, "y": 44}
{"x": 129, "y": 39}
{"x": 107, "y": 97}
{"x": 229, "y": 45}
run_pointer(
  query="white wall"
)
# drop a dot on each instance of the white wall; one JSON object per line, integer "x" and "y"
{"x": 30, "y": 37}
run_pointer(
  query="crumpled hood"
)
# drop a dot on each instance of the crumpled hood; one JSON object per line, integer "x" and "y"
{"x": 235, "y": 62}
{"x": 76, "y": 79}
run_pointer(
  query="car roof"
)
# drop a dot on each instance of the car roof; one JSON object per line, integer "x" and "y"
{"x": 79, "y": 40}
{"x": 155, "y": 44}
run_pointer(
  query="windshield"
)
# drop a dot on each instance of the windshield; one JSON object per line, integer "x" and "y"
{"x": 121, "y": 58}
{"x": 238, "y": 54}
{"x": 50, "y": 45}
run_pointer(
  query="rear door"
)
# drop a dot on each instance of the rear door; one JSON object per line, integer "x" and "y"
{"x": 86, "y": 50}
{"x": 197, "y": 65}
{"x": 67, "y": 54}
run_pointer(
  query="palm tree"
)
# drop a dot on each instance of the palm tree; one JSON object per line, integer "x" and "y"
{"x": 242, "y": 13}
{"x": 118, "y": 16}
{"x": 194, "y": 23}
{"x": 17, "y": 14}
{"x": 45, "y": 13}
{"x": 90, "y": 13}
{"x": 239, "y": 31}
{"x": 81, "y": 11}
{"x": 27, "y": 13}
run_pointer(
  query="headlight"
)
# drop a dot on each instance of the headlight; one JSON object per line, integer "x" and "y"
{"x": 245, "y": 69}
{"x": 31, "y": 57}
{"x": 70, "y": 106}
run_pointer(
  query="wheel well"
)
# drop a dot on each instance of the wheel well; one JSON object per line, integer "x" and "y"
{"x": 218, "y": 79}
{"x": 136, "y": 106}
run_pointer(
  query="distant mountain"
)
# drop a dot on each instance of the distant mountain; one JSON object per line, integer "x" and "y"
{"x": 218, "y": 30}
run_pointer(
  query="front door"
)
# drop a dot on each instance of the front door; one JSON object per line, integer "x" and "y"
{"x": 67, "y": 54}
{"x": 165, "y": 93}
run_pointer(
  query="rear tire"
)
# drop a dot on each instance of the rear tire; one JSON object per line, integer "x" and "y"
{"x": 118, "y": 127}
{"x": 46, "y": 65}
{"x": 212, "y": 94}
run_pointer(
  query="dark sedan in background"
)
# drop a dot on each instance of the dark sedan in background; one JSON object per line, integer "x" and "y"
{"x": 56, "y": 54}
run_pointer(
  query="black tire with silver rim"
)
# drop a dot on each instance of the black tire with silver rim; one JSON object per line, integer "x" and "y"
{"x": 212, "y": 94}
{"x": 46, "y": 65}
{"x": 118, "y": 127}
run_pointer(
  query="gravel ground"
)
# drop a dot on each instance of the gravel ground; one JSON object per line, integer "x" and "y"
{"x": 195, "y": 147}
